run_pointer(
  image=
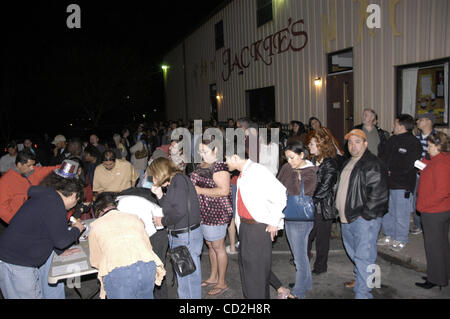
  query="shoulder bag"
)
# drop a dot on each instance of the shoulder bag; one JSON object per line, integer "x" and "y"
{"x": 299, "y": 208}
{"x": 142, "y": 153}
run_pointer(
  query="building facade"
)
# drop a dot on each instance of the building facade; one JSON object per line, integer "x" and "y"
{"x": 292, "y": 59}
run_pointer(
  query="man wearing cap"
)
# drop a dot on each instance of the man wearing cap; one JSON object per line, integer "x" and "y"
{"x": 425, "y": 124}
{"x": 15, "y": 183}
{"x": 60, "y": 153}
{"x": 114, "y": 175}
{"x": 361, "y": 200}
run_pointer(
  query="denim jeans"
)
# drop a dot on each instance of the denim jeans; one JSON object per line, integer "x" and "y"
{"x": 190, "y": 287}
{"x": 360, "y": 242}
{"x": 396, "y": 221}
{"x": 136, "y": 281}
{"x": 417, "y": 216}
{"x": 50, "y": 291}
{"x": 297, "y": 235}
{"x": 19, "y": 282}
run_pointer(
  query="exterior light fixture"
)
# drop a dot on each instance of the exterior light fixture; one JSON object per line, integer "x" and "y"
{"x": 164, "y": 67}
{"x": 318, "y": 82}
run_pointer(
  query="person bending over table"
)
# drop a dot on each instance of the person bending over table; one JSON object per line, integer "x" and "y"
{"x": 121, "y": 251}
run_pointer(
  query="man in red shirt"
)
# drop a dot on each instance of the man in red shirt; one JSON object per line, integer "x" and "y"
{"x": 15, "y": 183}
{"x": 260, "y": 201}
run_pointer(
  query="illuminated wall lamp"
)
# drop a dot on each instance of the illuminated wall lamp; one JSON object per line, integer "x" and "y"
{"x": 219, "y": 97}
{"x": 318, "y": 82}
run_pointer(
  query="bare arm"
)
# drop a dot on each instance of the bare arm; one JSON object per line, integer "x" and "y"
{"x": 222, "y": 180}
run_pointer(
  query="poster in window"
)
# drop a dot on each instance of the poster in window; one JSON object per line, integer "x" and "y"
{"x": 440, "y": 84}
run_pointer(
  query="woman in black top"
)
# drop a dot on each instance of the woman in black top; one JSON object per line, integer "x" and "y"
{"x": 178, "y": 199}
{"x": 324, "y": 155}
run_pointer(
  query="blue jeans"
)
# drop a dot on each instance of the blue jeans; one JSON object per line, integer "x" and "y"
{"x": 396, "y": 221}
{"x": 190, "y": 287}
{"x": 19, "y": 282}
{"x": 132, "y": 282}
{"x": 50, "y": 291}
{"x": 417, "y": 216}
{"x": 297, "y": 234}
{"x": 360, "y": 242}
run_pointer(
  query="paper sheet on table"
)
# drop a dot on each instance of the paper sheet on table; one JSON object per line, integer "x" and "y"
{"x": 142, "y": 208}
{"x": 64, "y": 259}
{"x": 68, "y": 269}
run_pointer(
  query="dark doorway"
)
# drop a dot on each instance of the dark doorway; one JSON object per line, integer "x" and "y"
{"x": 340, "y": 105}
{"x": 340, "y": 93}
{"x": 261, "y": 104}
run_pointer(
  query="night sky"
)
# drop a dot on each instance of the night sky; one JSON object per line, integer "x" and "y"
{"x": 53, "y": 76}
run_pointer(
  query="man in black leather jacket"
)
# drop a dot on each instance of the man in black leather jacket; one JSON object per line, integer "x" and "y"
{"x": 362, "y": 200}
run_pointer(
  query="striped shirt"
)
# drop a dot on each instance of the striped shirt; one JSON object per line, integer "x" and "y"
{"x": 423, "y": 140}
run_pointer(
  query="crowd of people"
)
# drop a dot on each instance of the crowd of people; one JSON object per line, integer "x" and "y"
{"x": 147, "y": 194}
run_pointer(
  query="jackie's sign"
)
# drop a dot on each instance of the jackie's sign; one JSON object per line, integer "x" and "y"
{"x": 293, "y": 37}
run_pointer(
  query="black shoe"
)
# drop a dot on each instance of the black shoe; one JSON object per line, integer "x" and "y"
{"x": 318, "y": 272}
{"x": 426, "y": 285}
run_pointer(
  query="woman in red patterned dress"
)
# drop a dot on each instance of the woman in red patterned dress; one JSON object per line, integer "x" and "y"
{"x": 212, "y": 182}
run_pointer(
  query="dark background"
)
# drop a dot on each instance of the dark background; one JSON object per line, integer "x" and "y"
{"x": 105, "y": 75}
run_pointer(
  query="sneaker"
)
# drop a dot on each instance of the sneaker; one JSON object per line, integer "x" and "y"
{"x": 416, "y": 231}
{"x": 397, "y": 246}
{"x": 229, "y": 252}
{"x": 384, "y": 241}
{"x": 284, "y": 293}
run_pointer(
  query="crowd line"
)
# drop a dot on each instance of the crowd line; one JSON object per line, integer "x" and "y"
{"x": 146, "y": 198}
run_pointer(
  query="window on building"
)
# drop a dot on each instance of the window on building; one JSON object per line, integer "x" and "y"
{"x": 218, "y": 30}
{"x": 341, "y": 61}
{"x": 261, "y": 104}
{"x": 264, "y": 11}
{"x": 423, "y": 88}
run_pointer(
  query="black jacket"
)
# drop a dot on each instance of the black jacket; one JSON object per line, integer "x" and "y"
{"x": 399, "y": 155}
{"x": 174, "y": 204}
{"x": 324, "y": 195}
{"x": 368, "y": 194}
{"x": 38, "y": 228}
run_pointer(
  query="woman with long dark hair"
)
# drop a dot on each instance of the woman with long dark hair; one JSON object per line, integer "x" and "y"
{"x": 293, "y": 174}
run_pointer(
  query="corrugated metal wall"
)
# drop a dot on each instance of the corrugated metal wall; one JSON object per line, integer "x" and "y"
{"x": 424, "y": 35}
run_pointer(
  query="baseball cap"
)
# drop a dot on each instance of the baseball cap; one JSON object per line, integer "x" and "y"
{"x": 59, "y": 138}
{"x": 356, "y": 132}
{"x": 429, "y": 116}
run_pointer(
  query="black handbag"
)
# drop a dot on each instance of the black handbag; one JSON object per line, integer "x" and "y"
{"x": 182, "y": 261}
{"x": 180, "y": 256}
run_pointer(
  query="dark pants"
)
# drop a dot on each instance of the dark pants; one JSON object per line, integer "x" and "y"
{"x": 160, "y": 244}
{"x": 437, "y": 247}
{"x": 321, "y": 232}
{"x": 255, "y": 260}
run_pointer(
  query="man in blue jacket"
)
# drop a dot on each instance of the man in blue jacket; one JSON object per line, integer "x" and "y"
{"x": 38, "y": 228}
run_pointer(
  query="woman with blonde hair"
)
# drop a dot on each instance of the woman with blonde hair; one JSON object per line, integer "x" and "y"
{"x": 323, "y": 152}
{"x": 178, "y": 199}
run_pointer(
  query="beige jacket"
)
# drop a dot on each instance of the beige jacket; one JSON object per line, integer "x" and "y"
{"x": 118, "y": 240}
